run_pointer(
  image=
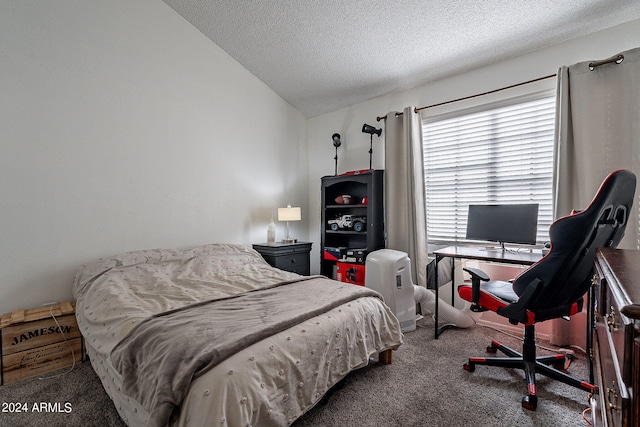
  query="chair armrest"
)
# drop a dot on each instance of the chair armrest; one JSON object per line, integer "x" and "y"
{"x": 476, "y": 272}
{"x": 477, "y": 275}
{"x": 517, "y": 312}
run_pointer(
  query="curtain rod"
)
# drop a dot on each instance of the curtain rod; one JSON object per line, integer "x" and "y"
{"x": 617, "y": 59}
{"x": 474, "y": 96}
{"x": 592, "y": 66}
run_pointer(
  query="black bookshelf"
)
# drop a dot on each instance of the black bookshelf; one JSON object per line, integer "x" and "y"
{"x": 366, "y": 190}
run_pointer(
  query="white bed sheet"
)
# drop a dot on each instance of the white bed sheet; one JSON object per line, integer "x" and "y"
{"x": 270, "y": 383}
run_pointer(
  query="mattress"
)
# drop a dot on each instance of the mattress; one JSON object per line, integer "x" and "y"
{"x": 269, "y": 383}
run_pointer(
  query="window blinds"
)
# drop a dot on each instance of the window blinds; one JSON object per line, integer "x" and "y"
{"x": 495, "y": 154}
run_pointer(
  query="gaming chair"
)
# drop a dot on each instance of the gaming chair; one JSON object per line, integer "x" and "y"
{"x": 555, "y": 286}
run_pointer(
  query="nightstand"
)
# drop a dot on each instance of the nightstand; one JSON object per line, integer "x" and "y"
{"x": 294, "y": 257}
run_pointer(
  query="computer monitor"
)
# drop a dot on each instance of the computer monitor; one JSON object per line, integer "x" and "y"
{"x": 514, "y": 223}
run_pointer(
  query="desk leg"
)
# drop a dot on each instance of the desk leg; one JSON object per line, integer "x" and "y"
{"x": 438, "y": 329}
{"x": 453, "y": 282}
{"x": 435, "y": 311}
{"x": 590, "y": 327}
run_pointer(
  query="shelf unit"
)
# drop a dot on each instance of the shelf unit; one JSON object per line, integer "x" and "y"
{"x": 366, "y": 191}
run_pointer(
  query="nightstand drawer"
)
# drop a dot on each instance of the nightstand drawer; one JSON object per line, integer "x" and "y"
{"x": 292, "y": 257}
{"x": 298, "y": 263}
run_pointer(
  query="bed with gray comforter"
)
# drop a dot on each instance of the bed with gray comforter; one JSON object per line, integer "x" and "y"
{"x": 184, "y": 337}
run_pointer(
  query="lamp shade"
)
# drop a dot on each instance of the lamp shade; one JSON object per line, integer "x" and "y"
{"x": 289, "y": 214}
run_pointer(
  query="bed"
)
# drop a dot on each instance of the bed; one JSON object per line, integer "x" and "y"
{"x": 214, "y": 335}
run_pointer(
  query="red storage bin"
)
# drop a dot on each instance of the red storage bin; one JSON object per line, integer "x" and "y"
{"x": 350, "y": 273}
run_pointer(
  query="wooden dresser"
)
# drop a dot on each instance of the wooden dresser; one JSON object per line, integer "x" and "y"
{"x": 616, "y": 342}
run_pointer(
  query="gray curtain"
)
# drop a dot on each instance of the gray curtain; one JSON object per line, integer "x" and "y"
{"x": 405, "y": 219}
{"x": 597, "y": 132}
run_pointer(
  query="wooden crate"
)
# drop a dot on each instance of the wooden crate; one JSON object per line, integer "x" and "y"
{"x": 33, "y": 344}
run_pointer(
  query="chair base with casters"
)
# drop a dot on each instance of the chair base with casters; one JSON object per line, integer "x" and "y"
{"x": 552, "y": 366}
{"x": 554, "y": 287}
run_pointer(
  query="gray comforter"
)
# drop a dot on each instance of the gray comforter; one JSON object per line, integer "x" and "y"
{"x": 159, "y": 357}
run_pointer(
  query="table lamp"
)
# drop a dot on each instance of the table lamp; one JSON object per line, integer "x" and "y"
{"x": 289, "y": 214}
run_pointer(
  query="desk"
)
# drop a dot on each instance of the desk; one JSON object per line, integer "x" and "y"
{"x": 477, "y": 253}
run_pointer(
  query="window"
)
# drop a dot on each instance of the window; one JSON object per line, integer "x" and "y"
{"x": 499, "y": 153}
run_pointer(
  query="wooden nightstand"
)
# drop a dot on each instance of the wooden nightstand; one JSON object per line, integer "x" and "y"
{"x": 294, "y": 257}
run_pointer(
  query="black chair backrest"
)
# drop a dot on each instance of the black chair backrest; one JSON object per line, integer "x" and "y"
{"x": 566, "y": 270}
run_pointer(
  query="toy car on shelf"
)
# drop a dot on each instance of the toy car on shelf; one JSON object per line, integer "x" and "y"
{"x": 357, "y": 223}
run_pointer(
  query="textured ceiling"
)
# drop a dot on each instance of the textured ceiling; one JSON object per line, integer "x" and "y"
{"x": 321, "y": 56}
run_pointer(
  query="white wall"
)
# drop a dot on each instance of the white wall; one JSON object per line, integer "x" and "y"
{"x": 348, "y": 121}
{"x": 124, "y": 128}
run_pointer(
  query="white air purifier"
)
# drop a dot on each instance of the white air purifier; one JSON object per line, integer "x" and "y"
{"x": 389, "y": 272}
